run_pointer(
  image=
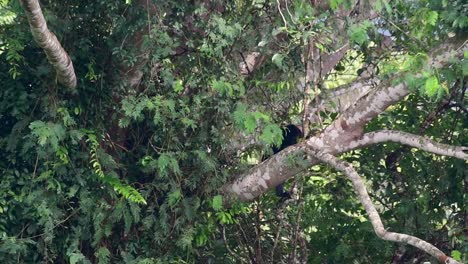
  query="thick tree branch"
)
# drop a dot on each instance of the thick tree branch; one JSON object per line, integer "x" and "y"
{"x": 410, "y": 140}
{"x": 349, "y": 126}
{"x": 353, "y": 93}
{"x": 374, "y": 216}
{"x": 56, "y": 55}
{"x": 266, "y": 175}
{"x": 336, "y": 138}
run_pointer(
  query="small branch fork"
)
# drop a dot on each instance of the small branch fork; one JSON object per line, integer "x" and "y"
{"x": 374, "y": 216}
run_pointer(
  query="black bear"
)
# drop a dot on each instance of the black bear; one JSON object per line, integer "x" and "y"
{"x": 291, "y": 135}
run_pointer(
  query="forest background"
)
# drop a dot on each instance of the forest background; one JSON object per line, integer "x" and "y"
{"x": 141, "y": 131}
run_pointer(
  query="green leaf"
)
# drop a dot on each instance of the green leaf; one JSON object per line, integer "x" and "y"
{"x": 128, "y": 220}
{"x": 178, "y": 86}
{"x": 103, "y": 255}
{"x": 224, "y": 217}
{"x": 277, "y": 59}
{"x": 201, "y": 239}
{"x": 145, "y": 161}
{"x": 48, "y": 133}
{"x": 250, "y": 123}
{"x": 432, "y": 86}
{"x": 465, "y": 67}
{"x": 379, "y": 4}
{"x": 174, "y": 197}
{"x": 358, "y": 33}
{"x": 167, "y": 163}
{"x": 456, "y": 255}
{"x": 272, "y": 135}
{"x": 185, "y": 241}
{"x": 431, "y": 17}
{"x": 127, "y": 191}
{"x": 220, "y": 86}
{"x": 78, "y": 258}
{"x": 335, "y": 3}
{"x": 217, "y": 202}
{"x": 240, "y": 114}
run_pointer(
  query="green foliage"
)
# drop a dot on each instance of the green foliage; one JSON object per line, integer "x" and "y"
{"x": 335, "y": 3}
{"x": 49, "y": 133}
{"x": 228, "y": 89}
{"x": 125, "y": 190}
{"x": 103, "y": 255}
{"x": 465, "y": 64}
{"x": 249, "y": 121}
{"x": 7, "y": 16}
{"x": 224, "y": 217}
{"x": 167, "y": 164}
{"x": 174, "y": 197}
{"x": 380, "y": 5}
{"x": 217, "y": 202}
{"x": 272, "y": 135}
{"x": 13, "y": 56}
{"x": 78, "y": 258}
{"x": 456, "y": 255}
{"x": 222, "y": 34}
{"x": 432, "y": 86}
{"x": 277, "y": 59}
{"x": 358, "y": 32}
{"x": 455, "y": 13}
{"x": 423, "y": 22}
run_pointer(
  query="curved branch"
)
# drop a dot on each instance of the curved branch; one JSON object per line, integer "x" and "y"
{"x": 374, "y": 216}
{"x": 410, "y": 140}
{"x": 56, "y": 55}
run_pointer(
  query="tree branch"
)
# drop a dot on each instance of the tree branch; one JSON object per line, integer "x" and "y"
{"x": 349, "y": 125}
{"x": 267, "y": 174}
{"x": 374, "y": 216}
{"x": 410, "y": 140}
{"x": 336, "y": 138}
{"x": 56, "y": 55}
{"x": 339, "y": 99}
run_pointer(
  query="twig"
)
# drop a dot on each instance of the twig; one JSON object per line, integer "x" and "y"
{"x": 296, "y": 228}
{"x": 244, "y": 237}
{"x": 35, "y": 167}
{"x": 226, "y": 244}
{"x": 287, "y": 9}
{"x": 281, "y": 13}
